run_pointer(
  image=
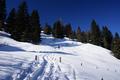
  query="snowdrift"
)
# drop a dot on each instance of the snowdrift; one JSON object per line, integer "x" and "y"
{"x": 57, "y": 59}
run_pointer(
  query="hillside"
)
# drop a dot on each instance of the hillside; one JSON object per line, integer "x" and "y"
{"x": 57, "y": 59}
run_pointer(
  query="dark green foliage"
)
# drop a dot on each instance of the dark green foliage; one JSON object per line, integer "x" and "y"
{"x": 116, "y": 36}
{"x": 22, "y": 23}
{"x": 11, "y": 22}
{"x": 47, "y": 29}
{"x": 35, "y": 27}
{"x": 58, "y": 29}
{"x": 73, "y": 36}
{"x": 116, "y": 46}
{"x": 68, "y": 30}
{"x": 88, "y": 37}
{"x": 26, "y": 28}
{"x": 107, "y": 38}
{"x": 81, "y": 36}
{"x": 2, "y": 13}
{"x": 95, "y": 33}
{"x": 2, "y": 9}
{"x": 78, "y": 34}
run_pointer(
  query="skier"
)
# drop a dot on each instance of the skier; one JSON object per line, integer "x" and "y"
{"x": 36, "y": 58}
{"x": 81, "y": 64}
{"x": 58, "y": 46}
{"x": 60, "y": 59}
{"x": 101, "y": 78}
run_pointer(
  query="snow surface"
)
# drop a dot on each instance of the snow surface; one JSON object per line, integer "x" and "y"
{"x": 78, "y": 61}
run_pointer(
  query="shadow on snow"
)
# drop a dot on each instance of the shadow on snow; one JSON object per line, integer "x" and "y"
{"x": 55, "y": 42}
{"x": 9, "y": 48}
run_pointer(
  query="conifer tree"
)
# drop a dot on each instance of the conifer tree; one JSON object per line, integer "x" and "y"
{"x": 116, "y": 46}
{"x": 107, "y": 38}
{"x": 83, "y": 37}
{"x": 78, "y": 34}
{"x": 95, "y": 33}
{"x": 74, "y": 37}
{"x": 11, "y": 22}
{"x": 2, "y": 13}
{"x": 22, "y": 22}
{"x": 68, "y": 30}
{"x": 47, "y": 29}
{"x": 117, "y": 37}
{"x": 88, "y": 37}
{"x": 35, "y": 24}
{"x": 58, "y": 29}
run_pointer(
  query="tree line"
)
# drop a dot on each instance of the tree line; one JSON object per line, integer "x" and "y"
{"x": 97, "y": 36}
{"x": 24, "y": 26}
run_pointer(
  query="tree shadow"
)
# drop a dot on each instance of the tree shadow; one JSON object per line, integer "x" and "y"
{"x": 4, "y": 34}
{"x": 8, "y": 67}
{"x": 9, "y": 48}
{"x": 54, "y": 42}
{"x": 54, "y": 52}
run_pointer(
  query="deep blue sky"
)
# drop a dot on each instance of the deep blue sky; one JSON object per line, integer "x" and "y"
{"x": 77, "y": 12}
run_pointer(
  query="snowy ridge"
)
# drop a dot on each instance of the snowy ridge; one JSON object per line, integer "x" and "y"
{"x": 57, "y": 59}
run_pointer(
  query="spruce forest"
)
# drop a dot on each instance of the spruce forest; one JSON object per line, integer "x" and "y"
{"x": 25, "y": 27}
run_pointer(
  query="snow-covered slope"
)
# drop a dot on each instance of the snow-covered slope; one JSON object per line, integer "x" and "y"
{"x": 56, "y": 60}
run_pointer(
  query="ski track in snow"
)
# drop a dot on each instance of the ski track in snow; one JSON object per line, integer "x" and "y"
{"x": 40, "y": 72}
{"x": 79, "y": 61}
{"x": 47, "y": 70}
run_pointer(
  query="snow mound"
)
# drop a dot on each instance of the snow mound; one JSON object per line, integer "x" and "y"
{"x": 55, "y": 59}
